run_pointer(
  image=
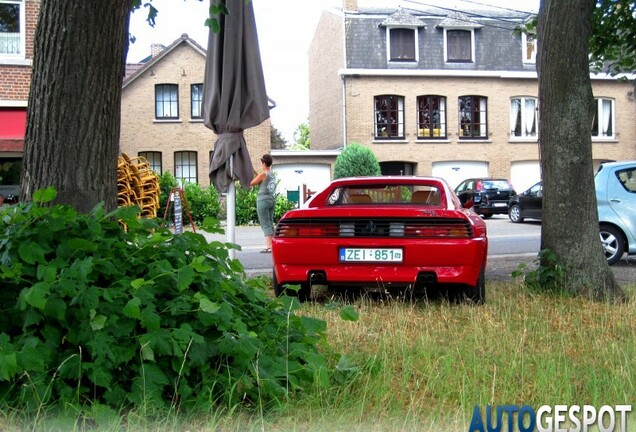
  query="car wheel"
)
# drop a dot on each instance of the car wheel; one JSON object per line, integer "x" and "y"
{"x": 279, "y": 290}
{"x": 515, "y": 214}
{"x": 486, "y": 215}
{"x": 613, "y": 242}
{"x": 303, "y": 293}
{"x": 477, "y": 294}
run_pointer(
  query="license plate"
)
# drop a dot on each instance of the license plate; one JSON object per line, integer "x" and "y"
{"x": 370, "y": 255}
{"x": 500, "y": 204}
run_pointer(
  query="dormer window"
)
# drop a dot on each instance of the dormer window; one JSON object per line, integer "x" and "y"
{"x": 459, "y": 38}
{"x": 529, "y": 47}
{"x": 402, "y": 36}
{"x": 401, "y": 42}
{"x": 459, "y": 45}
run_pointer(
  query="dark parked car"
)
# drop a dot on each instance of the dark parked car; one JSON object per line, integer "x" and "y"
{"x": 527, "y": 204}
{"x": 486, "y": 196}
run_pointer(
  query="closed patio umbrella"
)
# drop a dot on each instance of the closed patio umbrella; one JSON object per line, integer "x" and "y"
{"x": 234, "y": 99}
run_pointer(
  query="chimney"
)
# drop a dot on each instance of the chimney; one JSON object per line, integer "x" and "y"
{"x": 155, "y": 49}
{"x": 350, "y": 5}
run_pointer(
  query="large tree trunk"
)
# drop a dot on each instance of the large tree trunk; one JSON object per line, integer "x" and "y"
{"x": 570, "y": 221}
{"x": 73, "y": 120}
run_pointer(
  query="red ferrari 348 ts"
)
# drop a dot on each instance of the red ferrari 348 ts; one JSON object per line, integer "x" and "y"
{"x": 381, "y": 233}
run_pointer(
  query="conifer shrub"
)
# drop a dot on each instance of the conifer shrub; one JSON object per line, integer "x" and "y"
{"x": 354, "y": 161}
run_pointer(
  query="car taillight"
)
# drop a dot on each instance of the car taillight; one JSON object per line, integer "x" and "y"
{"x": 307, "y": 230}
{"x": 437, "y": 231}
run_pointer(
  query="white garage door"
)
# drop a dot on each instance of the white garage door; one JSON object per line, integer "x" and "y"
{"x": 456, "y": 171}
{"x": 292, "y": 177}
{"x": 524, "y": 174}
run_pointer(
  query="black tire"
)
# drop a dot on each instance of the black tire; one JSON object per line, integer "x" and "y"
{"x": 279, "y": 290}
{"x": 514, "y": 213}
{"x": 477, "y": 294}
{"x": 613, "y": 241}
{"x": 303, "y": 293}
{"x": 486, "y": 215}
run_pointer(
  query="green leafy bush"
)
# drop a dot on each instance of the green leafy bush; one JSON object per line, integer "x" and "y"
{"x": 93, "y": 313}
{"x": 356, "y": 160}
{"x": 202, "y": 202}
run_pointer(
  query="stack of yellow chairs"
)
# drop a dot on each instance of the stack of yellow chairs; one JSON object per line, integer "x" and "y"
{"x": 138, "y": 185}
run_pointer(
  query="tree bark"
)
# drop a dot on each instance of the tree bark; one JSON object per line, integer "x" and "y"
{"x": 570, "y": 227}
{"x": 73, "y": 119}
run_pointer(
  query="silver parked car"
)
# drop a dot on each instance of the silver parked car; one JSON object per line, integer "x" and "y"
{"x": 615, "y": 184}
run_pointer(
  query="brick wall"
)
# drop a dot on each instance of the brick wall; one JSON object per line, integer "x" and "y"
{"x": 325, "y": 87}
{"x": 141, "y": 132}
{"x": 15, "y": 76}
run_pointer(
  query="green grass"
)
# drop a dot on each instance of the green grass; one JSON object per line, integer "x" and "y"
{"x": 424, "y": 366}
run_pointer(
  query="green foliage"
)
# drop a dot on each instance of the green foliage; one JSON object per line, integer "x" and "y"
{"x": 92, "y": 313}
{"x": 548, "y": 277}
{"x": 356, "y": 160}
{"x": 277, "y": 140}
{"x": 246, "y": 206}
{"x": 613, "y": 34}
{"x": 202, "y": 202}
{"x": 301, "y": 137}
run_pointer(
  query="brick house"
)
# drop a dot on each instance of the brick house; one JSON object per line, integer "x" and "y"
{"x": 17, "y": 27}
{"x": 161, "y": 116}
{"x": 434, "y": 91}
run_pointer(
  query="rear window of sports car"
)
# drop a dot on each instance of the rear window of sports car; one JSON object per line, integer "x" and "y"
{"x": 390, "y": 194}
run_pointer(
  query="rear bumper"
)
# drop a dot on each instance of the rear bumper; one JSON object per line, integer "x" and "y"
{"x": 491, "y": 209}
{"x": 455, "y": 261}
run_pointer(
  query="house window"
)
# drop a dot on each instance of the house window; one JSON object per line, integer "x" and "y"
{"x": 185, "y": 166}
{"x": 523, "y": 117}
{"x": 459, "y": 45}
{"x": 167, "y": 101}
{"x": 603, "y": 123}
{"x": 196, "y": 96}
{"x": 12, "y": 28}
{"x": 529, "y": 47}
{"x": 402, "y": 43}
{"x": 389, "y": 117}
{"x": 473, "y": 117}
{"x": 431, "y": 116}
{"x": 154, "y": 159}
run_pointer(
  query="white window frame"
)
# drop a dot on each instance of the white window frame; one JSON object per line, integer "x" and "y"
{"x": 472, "y": 43}
{"x": 6, "y": 57}
{"x": 196, "y": 105}
{"x": 154, "y": 159}
{"x": 605, "y": 120}
{"x": 388, "y": 43}
{"x": 526, "y": 111}
{"x": 524, "y": 48}
{"x": 180, "y": 166}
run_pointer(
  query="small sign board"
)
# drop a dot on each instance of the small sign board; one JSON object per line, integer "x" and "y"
{"x": 178, "y": 214}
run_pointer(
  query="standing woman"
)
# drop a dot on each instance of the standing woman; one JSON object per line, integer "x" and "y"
{"x": 266, "y": 200}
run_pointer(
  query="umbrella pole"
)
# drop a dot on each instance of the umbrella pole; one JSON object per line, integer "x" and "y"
{"x": 231, "y": 217}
